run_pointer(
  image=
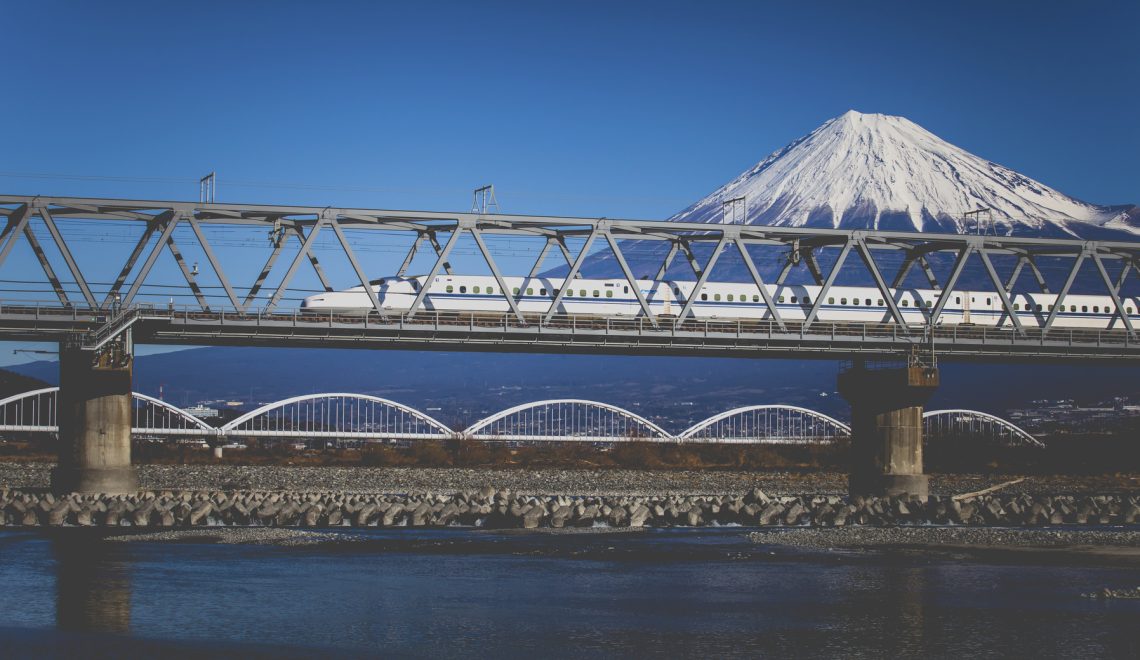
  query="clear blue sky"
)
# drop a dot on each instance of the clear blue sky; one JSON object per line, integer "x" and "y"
{"x": 584, "y": 108}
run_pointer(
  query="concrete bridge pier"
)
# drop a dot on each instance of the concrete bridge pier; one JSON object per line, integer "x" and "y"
{"x": 886, "y": 427}
{"x": 95, "y": 420}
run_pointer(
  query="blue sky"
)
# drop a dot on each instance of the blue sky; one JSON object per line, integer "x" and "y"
{"x": 585, "y": 108}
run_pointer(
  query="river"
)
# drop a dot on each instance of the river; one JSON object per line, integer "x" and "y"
{"x": 445, "y": 593}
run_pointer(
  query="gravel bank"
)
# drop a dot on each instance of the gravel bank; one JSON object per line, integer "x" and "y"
{"x": 876, "y": 537}
{"x": 543, "y": 481}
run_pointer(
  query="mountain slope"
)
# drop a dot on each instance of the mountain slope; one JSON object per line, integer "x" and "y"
{"x": 872, "y": 171}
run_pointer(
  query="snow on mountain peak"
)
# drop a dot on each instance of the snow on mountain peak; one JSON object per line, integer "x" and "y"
{"x": 874, "y": 171}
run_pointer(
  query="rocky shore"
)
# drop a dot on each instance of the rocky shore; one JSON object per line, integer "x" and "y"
{"x": 545, "y": 481}
{"x": 493, "y": 508}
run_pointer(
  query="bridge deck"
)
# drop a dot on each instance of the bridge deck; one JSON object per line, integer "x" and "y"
{"x": 570, "y": 333}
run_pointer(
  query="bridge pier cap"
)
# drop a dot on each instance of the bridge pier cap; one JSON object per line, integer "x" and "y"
{"x": 886, "y": 425}
{"x": 94, "y": 417}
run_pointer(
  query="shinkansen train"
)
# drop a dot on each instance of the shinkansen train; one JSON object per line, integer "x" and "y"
{"x": 717, "y": 300}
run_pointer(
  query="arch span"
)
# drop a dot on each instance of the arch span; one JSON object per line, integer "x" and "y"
{"x": 574, "y": 420}
{"x": 338, "y": 415}
{"x": 770, "y": 423}
{"x": 38, "y": 410}
{"x": 976, "y": 421}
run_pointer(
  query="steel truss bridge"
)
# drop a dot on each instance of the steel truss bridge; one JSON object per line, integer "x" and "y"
{"x": 225, "y": 313}
{"x": 346, "y": 416}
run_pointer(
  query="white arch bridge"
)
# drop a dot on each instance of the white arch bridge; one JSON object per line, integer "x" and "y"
{"x": 345, "y": 416}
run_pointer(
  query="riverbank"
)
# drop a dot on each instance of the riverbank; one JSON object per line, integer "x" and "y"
{"x": 549, "y": 481}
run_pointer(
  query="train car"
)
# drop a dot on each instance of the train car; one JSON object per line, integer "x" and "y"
{"x": 718, "y": 300}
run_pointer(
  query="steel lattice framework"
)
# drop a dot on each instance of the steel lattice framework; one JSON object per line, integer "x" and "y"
{"x": 254, "y": 315}
{"x": 563, "y": 420}
{"x": 957, "y": 423}
{"x": 362, "y": 416}
{"x": 338, "y": 415}
{"x": 767, "y": 424}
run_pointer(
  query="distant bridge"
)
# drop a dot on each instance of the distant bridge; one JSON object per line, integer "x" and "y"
{"x": 347, "y": 416}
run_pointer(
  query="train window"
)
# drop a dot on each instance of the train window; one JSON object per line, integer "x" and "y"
{"x": 807, "y": 301}
{"x": 676, "y": 291}
{"x": 450, "y": 288}
{"x": 609, "y": 294}
{"x": 730, "y": 297}
{"x": 780, "y": 299}
{"x": 831, "y": 301}
{"x": 755, "y": 298}
{"x": 793, "y": 300}
{"x": 1038, "y": 308}
{"x": 1016, "y": 306}
{"x": 626, "y": 290}
{"x": 1128, "y": 309}
{"x": 596, "y": 294}
{"x": 582, "y": 293}
{"x": 1084, "y": 308}
{"x": 906, "y": 303}
{"x": 957, "y": 300}
{"x": 854, "y": 301}
{"x": 475, "y": 290}
{"x": 989, "y": 301}
{"x": 542, "y": 292}
{"x": 869, "y": 302}
{"x": 529, "y": 291}
{"x": 716, "y": 296}
{"x": 704, "y": 296}
{"x": 1096, "y": 309}
{"x": 462, "y": 289}
{"x": 516, "y": 291}
{"x": 929, "y": 303}
{"x": 842, "y": 301}
{"x": 880, "y": 302}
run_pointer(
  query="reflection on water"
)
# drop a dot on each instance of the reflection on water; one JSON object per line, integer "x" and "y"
{"x": 93, "y": 587}
{"x": 446, "y": 593}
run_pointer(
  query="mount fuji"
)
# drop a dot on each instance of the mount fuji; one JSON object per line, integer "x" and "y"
{"x": 874, "y": 171}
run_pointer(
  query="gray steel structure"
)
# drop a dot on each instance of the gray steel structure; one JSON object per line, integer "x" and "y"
{"x": 94, "y": 319}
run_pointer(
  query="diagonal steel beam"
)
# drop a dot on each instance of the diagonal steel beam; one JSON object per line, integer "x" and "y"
{"x": 1128, "y": 265}
{"x": 687, "y": 250}
{"x": 740, "y": 245}
{"x": 538, "y": 262}
{"x": 129, "y": 265}
{"x": 215, "y": 264}
{"x": 411, "y": 255}
{"x": 813, "y": 266}
{"x": 705, "y": 272}
{"x": 503, "y": 288}
{"x": 787, "y": 268}
{"x": 570, "y": 276}
{"x": 1115, "y": 293}
{"x": 360, "y": 274}
{"x": 440, "y": 262}
{"x": 72, "y": 266}
{"x": 630, "y": 278}
{"x": 887, "y": 293}
{"x": 306, "y": 244}
{"x": 253, "y": 290}
{"x": 904, "y": 269}
{"x": 438, "y": 250}
{"x": 17, "y": 220}
{"x": 1001, "y": 292}
{"x": 827, "y": 284}
{"x": 948, "y": 290}
{"x": 41, "y": 256}
{"x": 1063, "y": 292}
{"x": 312, "y": 258}
{"x": 668, "y": 260}
{"x": 929, "y": 272}
{"x": 187, "y": 273}
{"x": 169, "y": 221}
{"x": 1009, "y": 284}
{"x": 1037, "y": 274}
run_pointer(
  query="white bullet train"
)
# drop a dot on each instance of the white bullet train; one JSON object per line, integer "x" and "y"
{"x": 718, "y": 300}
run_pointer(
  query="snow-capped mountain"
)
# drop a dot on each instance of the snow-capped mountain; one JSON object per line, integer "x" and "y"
{"x": 878, "y": 171}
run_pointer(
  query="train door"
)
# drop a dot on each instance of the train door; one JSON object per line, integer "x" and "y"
{"x": 966, "y": 309}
